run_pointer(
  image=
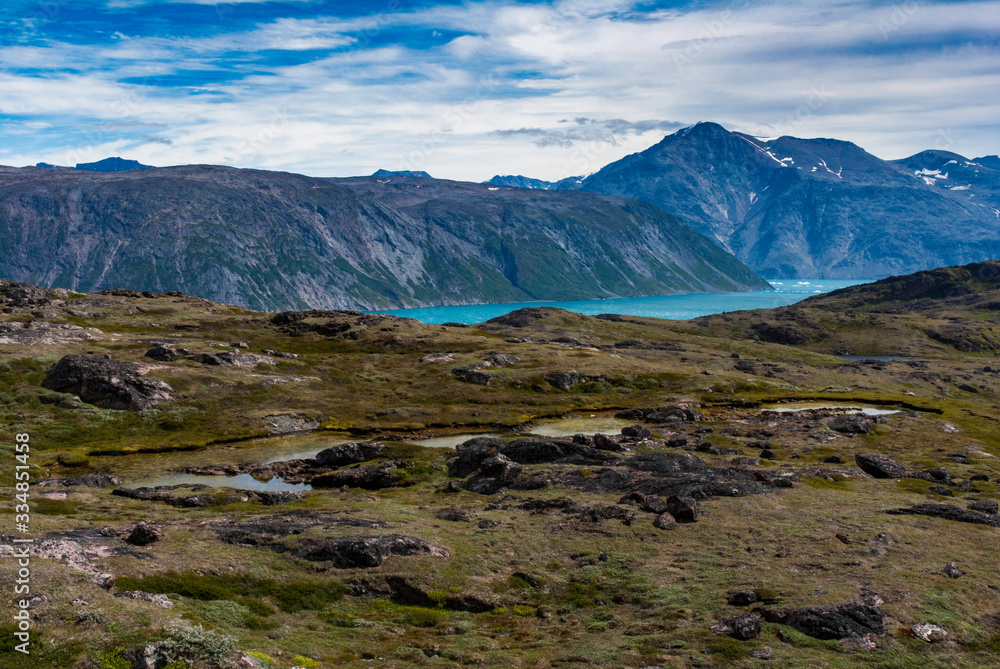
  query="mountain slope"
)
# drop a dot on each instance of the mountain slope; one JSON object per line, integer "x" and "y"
{"x": 274, "y": 240}
{"x": 814, "y": 208}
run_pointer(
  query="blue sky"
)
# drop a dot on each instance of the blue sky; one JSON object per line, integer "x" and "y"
{"x": 466, "y": 90}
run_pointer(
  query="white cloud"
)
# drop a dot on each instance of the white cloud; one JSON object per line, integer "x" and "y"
{"x": 893, "y": 83}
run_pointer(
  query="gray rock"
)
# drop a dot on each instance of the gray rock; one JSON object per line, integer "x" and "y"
{"x": 143, "y": 535}
{"x": 366, "y": 552}
{"x": 951, "y": 570}
{"x": 563, "y": 380}
{"x": 113, "y": 384}
{"x": 163, "y": 354}
{"x": 742, "y": 627}
{"x": 472, "y": 375}
{"x": 852, "y": 424}
{"x": 92, "y": 481}
{"x": 985, "y": 506}
{"x": 841, "y": 621}
{"x": 349, "y": 454}
{"x": 880, "y": 466}
{"x": 929, "y": 632}
{"x": 665, "y": 521}
{"x": 159, "y": 600}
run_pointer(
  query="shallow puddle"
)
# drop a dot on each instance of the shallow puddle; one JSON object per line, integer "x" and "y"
{"x": 136, "y": 470}
{"x": 846, "y": 408}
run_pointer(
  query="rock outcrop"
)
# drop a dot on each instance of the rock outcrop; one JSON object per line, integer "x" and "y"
{"x": 112, "y": 384}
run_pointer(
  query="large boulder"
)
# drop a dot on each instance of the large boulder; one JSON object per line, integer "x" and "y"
{"x": 564, "y": 380}
{"x": 841, "y": 621}
{"x": 163, "y": 354}
{"x": 880, "y": 466}
{"x": 143, "y": 535}
{"x": 92, "y": 481}
{"x": 112, "y": 384}
{"x": 743, "y": 627}
{"x": 367, "y": 477}
{"x": 470, "y": 454}
{"x": 496, "y": 473}
{"x": 349, "y": 454}
{"x": 366, "y": 552}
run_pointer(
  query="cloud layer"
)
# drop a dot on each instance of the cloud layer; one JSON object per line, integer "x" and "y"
{"x": 466, "y": 90}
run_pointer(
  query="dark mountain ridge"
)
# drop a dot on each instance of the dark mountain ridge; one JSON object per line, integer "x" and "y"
{"x": 273, "y": 240}
{"x": 816, "y": 208}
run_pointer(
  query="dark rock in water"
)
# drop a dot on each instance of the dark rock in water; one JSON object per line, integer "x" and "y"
{"x": 741, "y": 598}
{"x": 949, "y": 512}
{"x": 163, "y": 354}
{"x": 985, "y": 506}
{"x": 842, "y": 621}
{"x": 496, "y": 472}
{"x": 852, "y": 424}
{"x": 665, "y": 521}
{"x": 367, "y": 477}
{"x": 742, "y": 628}
{"x": 366, "y": 552}
{"x": 349, "y": 454}
{"x": 112, "y": 384}
{"x": 143, "y": 535}
{"x": 951, "y": 570}
{"x": 92, "y": 481}
{"x": 472, "y": 375}
{"x": 470, "y": 454}
{"x": 563, "y": 380}
{"x": 880, "y": 466}
{"x": 631, "y": 414}
{"x": 682, "y": 508}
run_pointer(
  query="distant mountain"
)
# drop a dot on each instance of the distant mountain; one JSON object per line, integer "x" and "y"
{"x": 517, "y": 181}
{"x": 816, "y": 208}
{"x": 401, "y": 173}
{"x": 113, "y": 165}
{"x": 273, "y": 240}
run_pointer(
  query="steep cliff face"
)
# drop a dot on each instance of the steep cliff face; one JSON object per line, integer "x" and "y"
{"x": 274, "y": 240}
{"x": 810, "y": 208}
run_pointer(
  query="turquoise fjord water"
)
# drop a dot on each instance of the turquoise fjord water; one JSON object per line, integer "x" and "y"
{"x": 674, "y": 307}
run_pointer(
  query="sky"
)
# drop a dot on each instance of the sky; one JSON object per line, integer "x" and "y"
{"x": 467, "y": 90}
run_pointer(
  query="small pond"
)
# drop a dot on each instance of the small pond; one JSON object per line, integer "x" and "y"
{"x": 830, "y": 406}
{"x": 135, "y": 470}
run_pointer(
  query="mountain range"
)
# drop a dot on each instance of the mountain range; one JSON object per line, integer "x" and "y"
{"x": 274, "y": 240}
{"x": 817, "y": 208}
